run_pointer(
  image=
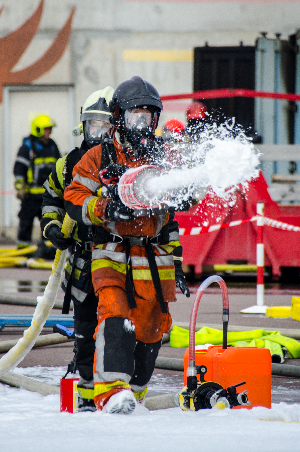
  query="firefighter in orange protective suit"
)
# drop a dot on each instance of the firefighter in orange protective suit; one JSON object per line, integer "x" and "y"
{"x": 136, "y": 257}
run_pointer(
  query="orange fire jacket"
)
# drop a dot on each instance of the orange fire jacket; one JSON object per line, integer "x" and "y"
{"x": 109, "y": 259}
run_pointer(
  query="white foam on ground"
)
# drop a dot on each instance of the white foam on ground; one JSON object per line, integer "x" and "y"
{"x": 30, "y": 422}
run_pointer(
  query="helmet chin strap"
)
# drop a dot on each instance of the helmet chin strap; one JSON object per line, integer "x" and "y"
{"x": 92, "y": 144}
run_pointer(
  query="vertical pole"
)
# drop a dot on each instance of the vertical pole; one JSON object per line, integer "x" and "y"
{"x": 297, "y": 91}
{"x": 260, "y": 254}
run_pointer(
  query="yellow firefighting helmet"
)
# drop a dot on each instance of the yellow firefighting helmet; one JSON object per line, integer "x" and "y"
{"x": 95, "y": 116}
{"x": 96, "y": 105}
{"x": 39, "y": 124}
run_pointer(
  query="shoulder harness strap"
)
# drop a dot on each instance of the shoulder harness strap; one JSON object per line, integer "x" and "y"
{"x": 71, "y": 160}
{"x": 108, "y": 153}
{"x": 32, "y": 156}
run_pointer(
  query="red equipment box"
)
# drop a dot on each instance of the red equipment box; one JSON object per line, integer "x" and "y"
{"x": 68, "y": 395}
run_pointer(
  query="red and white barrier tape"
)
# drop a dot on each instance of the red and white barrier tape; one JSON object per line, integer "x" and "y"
{"x": 281, "y": 225}
{"x": 213, "y": 228}
{"x": 216, "y": 227}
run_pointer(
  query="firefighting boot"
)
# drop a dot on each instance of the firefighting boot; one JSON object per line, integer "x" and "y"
{"x": 85, "y": 395}
{"x": 114, "y": 397}
{"x": 121, "y": 403}
{"x": 140, "y": 396}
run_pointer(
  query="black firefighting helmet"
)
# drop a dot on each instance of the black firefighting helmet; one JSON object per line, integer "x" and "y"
{"x": 129, "y": 107}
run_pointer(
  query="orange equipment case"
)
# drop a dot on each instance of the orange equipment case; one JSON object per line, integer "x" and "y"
{"x": 234, "y": 365}
{"x": 229, "y": 366}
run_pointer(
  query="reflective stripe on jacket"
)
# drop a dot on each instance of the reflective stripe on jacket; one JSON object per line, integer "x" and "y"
{"x": 84, "y": 205}
{"x": 109, "y": 269}
{"x": 35, "y": 161}
{"x": 78, "y": 270}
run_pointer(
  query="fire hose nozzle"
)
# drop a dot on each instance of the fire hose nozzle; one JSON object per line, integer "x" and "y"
{"x": 136, "y": 190}
{"x": 203, "y": 395}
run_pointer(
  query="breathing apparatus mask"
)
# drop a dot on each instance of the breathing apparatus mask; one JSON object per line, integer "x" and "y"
{"x": 95, "y": 130}
{"x": 138, "y": 128}
{"x": 135, "y": 108}
{"x": 138, "y": 119}
{"x": 95, "y": 116}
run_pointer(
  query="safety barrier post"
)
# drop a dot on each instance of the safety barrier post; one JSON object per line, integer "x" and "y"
{"x": 259, "y": 308}
{"x": 260, "y": 254}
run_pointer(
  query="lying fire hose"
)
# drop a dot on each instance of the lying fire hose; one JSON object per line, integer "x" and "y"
{"x": 45, "y": 303}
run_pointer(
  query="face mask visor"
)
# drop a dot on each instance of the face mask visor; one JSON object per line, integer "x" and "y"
{"x": 138, "y": 120}
{"x": 96, "y": 129}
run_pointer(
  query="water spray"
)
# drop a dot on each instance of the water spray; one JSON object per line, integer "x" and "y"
{"x": 226, "y": 164}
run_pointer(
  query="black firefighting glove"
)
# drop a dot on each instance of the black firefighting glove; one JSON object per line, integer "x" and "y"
{"x": 117, "y": 211}
{"x": 180, "y": 278}
{"x": 21, "y": 193}
{"x": 112, "y": 173}
{"x": 56, "y": 237}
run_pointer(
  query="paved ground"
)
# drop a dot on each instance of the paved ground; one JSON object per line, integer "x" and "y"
{"x": 30, "y": 283}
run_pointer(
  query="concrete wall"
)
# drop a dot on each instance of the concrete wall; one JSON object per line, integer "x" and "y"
{"x": 112, "y": 40}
